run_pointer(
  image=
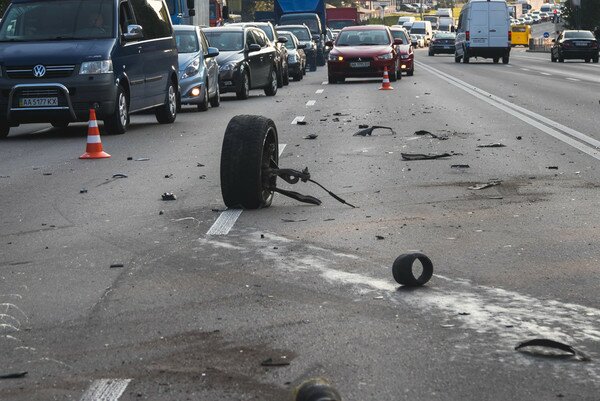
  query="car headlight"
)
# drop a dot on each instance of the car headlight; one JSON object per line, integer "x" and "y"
{"x": 387, "y": 56}
{"x": 96, "y": 67}
{"x": 292, "y": 58}
{"x": 192, "y": 68}
{"x": 335, "y": 57}
{"x": 227, "y": 67}
{"x": 404, "y": 56}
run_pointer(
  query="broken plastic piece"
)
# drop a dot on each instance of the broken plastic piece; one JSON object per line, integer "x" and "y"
{"x": 316, "y": 390}
{"x": 485, "y": 185}
{"x": 311, "y": 136}
{"x": 369, "y": 131}
{"x": 402, "y": 269}
{"x": 168, "y": 196}
{"x": 15, "y": 375}
{"x": 419, "y": 156}
{"x": 492, "y": 145}
{"x": 545, "y": 343}
{"x": 142, "y": 159}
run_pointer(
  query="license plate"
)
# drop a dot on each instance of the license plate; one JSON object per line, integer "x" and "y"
{"x": 479, "y": 40}
{"x": 360, "y": 64}
{"x": 581, "y": 43}
{"x": 38, "y": 101}
{"x": 447, "y": 47}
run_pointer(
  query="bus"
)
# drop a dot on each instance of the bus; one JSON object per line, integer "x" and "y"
{"x": 520, "y": 35}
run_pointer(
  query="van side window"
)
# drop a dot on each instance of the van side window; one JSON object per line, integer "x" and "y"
{"x": 153, "y": 17}
{"x": 125, "y": 17}
{"x": 203, "y": 42}
{"x": 250, "y": 40}
{"x": 261, "y": 38}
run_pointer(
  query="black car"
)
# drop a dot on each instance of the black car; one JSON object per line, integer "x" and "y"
{"x": 302, "y": 32}
{"x": 247, "y": 60}
{"x": 279, "y": 45}
{"x": 442, "y": 42}
{"x": 62, "y": 58}
{"x": 575, "y": 45}
{"x": 296, "y": 55}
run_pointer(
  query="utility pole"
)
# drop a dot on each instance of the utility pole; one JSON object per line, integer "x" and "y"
{"x": 421, "y": 10}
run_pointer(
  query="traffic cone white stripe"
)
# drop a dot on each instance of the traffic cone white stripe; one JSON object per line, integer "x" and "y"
{"x": 94, "y": 139}
{"x": 93, "y": 124}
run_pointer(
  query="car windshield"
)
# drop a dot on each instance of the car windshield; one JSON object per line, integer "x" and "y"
{"x": 400, "y": 35}
{"x": 579, "y": 35}
{"x": 371, "y": 37}
{"x": 290, "y": 43}
{"x": 417, "y": 30}
{"x": 311, "y": 23}
{"x": 301, "y": 33}
{"x": 445, "y": 36}
{"x": 58, "y": 20}
{"x": 225, "y": 41}
{"x": 187, "y": 41}
{"x": 268, "y": 31}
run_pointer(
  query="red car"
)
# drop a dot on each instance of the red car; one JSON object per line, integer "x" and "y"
{"x": 363, "y": 51}
{"x": 407, "y": 57}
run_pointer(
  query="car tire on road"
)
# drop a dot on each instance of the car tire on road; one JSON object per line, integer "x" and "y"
{"x": 552, "y": 58}
{"x": 430, "y": 53}
{"x": 505, "y": 59}
{"x": 403, "y": 273}
{"x": 243, "y": 90}
{"x": 496, "y": 60}
{"x": 118, "y": 121}
{"x": 203, "y": 106}
{"x": 4, "y": 129}
{"x": 215, "y": 101}
{"x": 596, "y": 59}
{"x": 456, "y": 58}
{"x": 393, "y": 74}
{"x": 167, "y": 113}
{"x": 271, "y": 87}
{"x": 410, "y": 73}
{"x": 250, "y": 146}
{"x": 465, "y": 57}
{"x": 286, "y": 75}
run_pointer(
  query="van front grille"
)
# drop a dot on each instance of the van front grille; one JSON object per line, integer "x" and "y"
{"x": 52, "y": 71}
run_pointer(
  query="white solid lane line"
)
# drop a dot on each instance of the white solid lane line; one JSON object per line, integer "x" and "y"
{"x": 297, "y": 119}
{"x": 573, "y": 79}
{"x": 311, "y": 102}
{"x": 105, "y": 390}
{"x": 568, "y": 135}
{"x": 227, "y": 218}
{"x": 319, "y": 91}
{"x": 545, "y": 73}
{"x": 525, "y": 69}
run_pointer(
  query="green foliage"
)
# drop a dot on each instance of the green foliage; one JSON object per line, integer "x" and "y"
{"x": 589, "y": 14}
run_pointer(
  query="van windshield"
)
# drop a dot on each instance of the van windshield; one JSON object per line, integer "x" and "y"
{"x": 58, "y": 20}
{"x": 311, "y": 23}
{"x": 420, "y": 31}
{"x": 301, "y": 33}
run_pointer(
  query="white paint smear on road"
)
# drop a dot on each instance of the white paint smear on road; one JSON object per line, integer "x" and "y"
{"x": 106, "y": 390}
{"x": 298, "y": 118}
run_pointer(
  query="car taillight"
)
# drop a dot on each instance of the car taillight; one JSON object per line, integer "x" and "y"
{"x": 509, "y": 36}
{"x": 467, "y": 35}
{"x": 567, "y": 44}
{"x": 594, "y": 45}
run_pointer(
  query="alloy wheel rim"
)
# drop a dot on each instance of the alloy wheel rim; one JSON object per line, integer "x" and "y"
{"x": 122, "y": 110}
{"x": 172, "y": 101}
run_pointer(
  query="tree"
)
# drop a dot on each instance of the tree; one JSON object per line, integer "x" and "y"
{"x": 589, "y": 14}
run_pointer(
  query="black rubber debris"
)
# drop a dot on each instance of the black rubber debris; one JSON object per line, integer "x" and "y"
{"x": 548, "y": 348}
{"x": 340, "y": 114}
{"x": 119, "y": 175}
{"x": 311, "y": 136}
{"x": 492, "y": 145}
{"x": 402, "y": 269}
{"x": 275, "y": 361}
{"x": 301, "y": 122}
{"x": 379, "y": 237}
{"x": 169, "y": 196}
{"x": 15, "y": 375}
{"x": 419, "y": 156}
{"x": 460, "y": 166}
{"x": 361, "y": 126}
{"x": 116, "y": 265}
{"x": 129, "y": 158}
{"x": 552, "y": 167}
{"x": 369, "y": 131}
{"x": 83, "y": 191}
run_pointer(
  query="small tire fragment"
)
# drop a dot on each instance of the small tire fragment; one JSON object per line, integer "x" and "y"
{"x": 250, "y": 146}
{"x": 317, "y": 390}
{"x": 402, "y": 269}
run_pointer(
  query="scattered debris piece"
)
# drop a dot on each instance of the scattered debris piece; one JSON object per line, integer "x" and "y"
{"x": 519, "y": 138}
{"x": 492, "y": 145}
{"x": 168, "y": 196}
{"x": 361, "y": 126}
{"x": 116, "y": 265}
{"x": 119, "y": 175}
{"x": 15, "y": 375}
{"x": 460, "y": 166}
{"x": 329, "y": 220}
{"x": 551, "y": 344}
{"x": 464, "y": 313}
{"x": 202, "y": 177}
{"x": 419, "y": 156}
{"x": 293, "y": 221}
{"x": 301, "y": 122}
{"x": 275, "y": 361}
{"x": 378, "y": 297}
{"x": 315, "y": 390}
{"x": 47, "y": 173}
{"x": 311, "y": 136}
{"x": 199, "y": 165}
{"x": 485, "y": 185}
{"x": 369, "y": 131}
{"x": 129, "y": 158}
{"x": 379, "y": 237}
{"x": 168, "y": 175}
{"x": 160, "y": 213}
{"x": 447, "y": 326}
{"x": 340, "y": 114}
{"x": 552, "y": 167}
{"x": 217, "y": 210}
{"x": 142, "y": 159}
{"x": 83, "y": 191}
{"x": 335, "y": 120}
{"x": 402, "y": 269}
{"x": 262, "y": 236}
{"x": 495, "y": 197}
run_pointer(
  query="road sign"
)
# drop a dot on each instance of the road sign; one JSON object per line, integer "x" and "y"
{"x": 383, "y": 4}
{"x": 546, "y": 35}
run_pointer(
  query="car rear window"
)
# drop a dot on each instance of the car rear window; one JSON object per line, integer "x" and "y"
{"x": 579, "y": 35}
{"x": 58, "y": 20}
{"x": 225, "y": 41}
{"x": 301, "y": 33}
{"x": 369, "y": 37}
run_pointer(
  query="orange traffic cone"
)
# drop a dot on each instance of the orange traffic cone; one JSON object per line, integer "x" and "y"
{"x": 93, "y": 150}
{"x": 385, "y": 85}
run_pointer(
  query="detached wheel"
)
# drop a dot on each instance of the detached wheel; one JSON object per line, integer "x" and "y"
{"x": 250, "y": 146}
{"x": 402, "y": 269}
{"x": 167, "y": 113}
{"x": 271, "y": 88}
{"x": 118, "y": 121}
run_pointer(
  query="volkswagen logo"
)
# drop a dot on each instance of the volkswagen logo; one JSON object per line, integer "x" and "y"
{"x": 39, "y": 71}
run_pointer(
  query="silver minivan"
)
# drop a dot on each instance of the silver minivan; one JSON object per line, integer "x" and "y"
{"x": 483, "y": 31}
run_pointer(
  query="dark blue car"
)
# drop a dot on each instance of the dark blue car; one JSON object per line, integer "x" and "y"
{"x": 60, "y": 58}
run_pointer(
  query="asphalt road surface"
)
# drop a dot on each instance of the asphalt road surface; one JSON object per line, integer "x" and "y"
{"x": 205, "y": 295}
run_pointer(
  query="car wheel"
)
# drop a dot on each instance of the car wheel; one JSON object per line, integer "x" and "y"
{"x": 118, "y": 121}
{"x": 243, "y": 90}
{"x": 496, "y": 60}
{"x": 321, "y": 59}
{"x": 505, "y": 59}
{"x": 411, "y": 72}
{"x": 250, "y": 147}
{"x": 561, "y": 59}
{"x": 587, "y": 60}
{"x": 215, "y": 101}
{"x": 456, "y": 58}
{"x": 60, "y": 124}
{"x": 271, "y": 88}
{"x": 167, "y": 113}
{"x": 430, "y": 53}
{"x": 203, "y": 106}
{"x": 393, "y": 74}
{"x": 286, "y": 75}
{"x": 313, "y": 63}
{"x": 4, "y": 129}
{"x": 279, "y": 74}
{"x": 552, "y": 58}
{"x": 595, "y": 59}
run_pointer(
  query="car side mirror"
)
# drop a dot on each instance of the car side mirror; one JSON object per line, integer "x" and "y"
{"x": 254, "y": 48}
{"x": 301, "y": 46}
{"x": 316, "y": 36}
{"x": 212, "y": 52}
{"x": 282, "y": 40}
{"x": 329, "y": 43}
{"x": 398, "y": 41}
{"x": 134, "y": 32}
{"x": 553, "y": 40}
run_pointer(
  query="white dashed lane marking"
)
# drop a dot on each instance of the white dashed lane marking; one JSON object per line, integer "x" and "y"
{"x": 324, "y": 83}
{"x": 319, "y": 91}
{"x": 105, "y": 390}
{"x": 227, "y": 218}
{"x": 297, "y": 119}
{"x": 311, "y": 102}
{"x": 545, "y": 73}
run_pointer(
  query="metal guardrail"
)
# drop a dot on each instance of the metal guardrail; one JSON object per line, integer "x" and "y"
{"x": 541, "y": 45}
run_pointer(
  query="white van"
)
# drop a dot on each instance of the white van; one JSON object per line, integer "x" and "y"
{"x": 444, "y": 12}
{"x": 402, "y": 20}
{"x": 483, "y": 31}
{"x": 407, "y": 25}
{"x": 422, "y": 28}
